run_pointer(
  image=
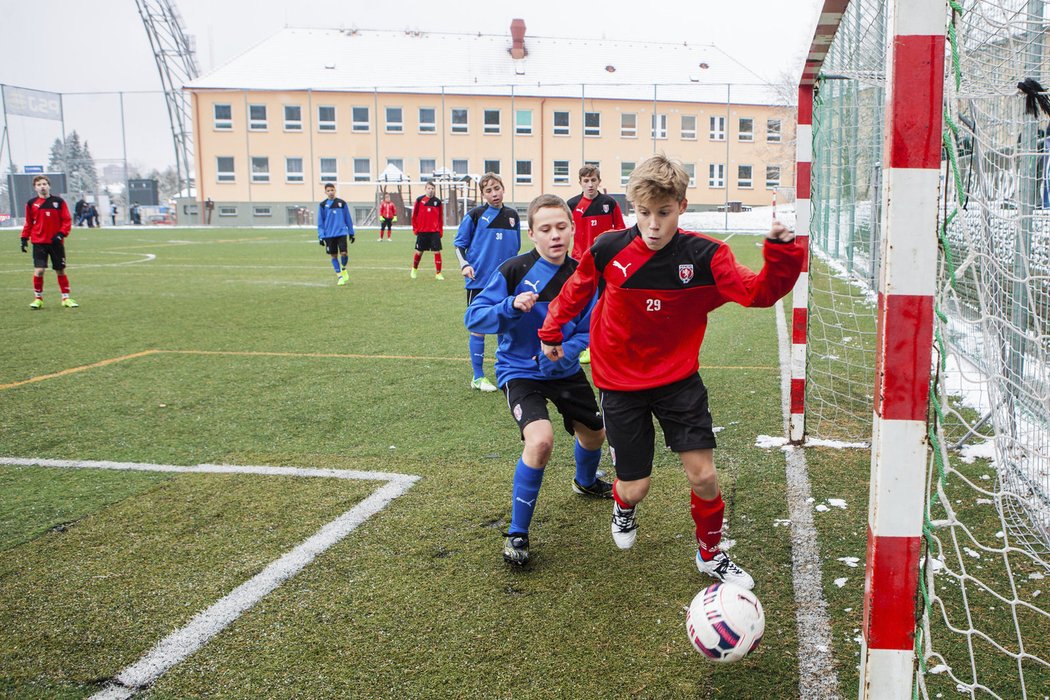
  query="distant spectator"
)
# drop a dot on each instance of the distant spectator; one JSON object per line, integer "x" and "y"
{"x": 135, "y": 214}
{"x": 78, "y": 211}
{"x": 113, "y": 214}
{"x": 209, "y": 207}
{"x": 91, "y": 215}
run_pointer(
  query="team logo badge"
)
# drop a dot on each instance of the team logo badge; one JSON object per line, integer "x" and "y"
{"x": 517, "y": 411}
{"x": 685, "y": 273}
{"x": 605, "y": 208}
{"x": 512, "y": 221}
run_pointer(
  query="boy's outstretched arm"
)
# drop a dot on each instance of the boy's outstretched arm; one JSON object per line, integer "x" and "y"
{"x": 783, "y": 264}
{"x": 573, "y": 298}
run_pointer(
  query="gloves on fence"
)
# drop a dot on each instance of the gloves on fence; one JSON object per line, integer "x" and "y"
{"x": 25, "y": 245}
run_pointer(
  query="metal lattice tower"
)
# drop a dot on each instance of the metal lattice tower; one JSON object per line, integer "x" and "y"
{"x": 177, "y": 64}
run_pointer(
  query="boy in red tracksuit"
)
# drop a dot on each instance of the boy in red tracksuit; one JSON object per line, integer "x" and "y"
{"x": 428, "y": 223}
{"x": 47, "y": 225}
{"x": 387, "y": 214}
{"x": 660, "y": 284}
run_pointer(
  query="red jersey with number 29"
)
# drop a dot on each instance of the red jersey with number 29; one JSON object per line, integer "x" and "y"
{"x": 650, "y": 320}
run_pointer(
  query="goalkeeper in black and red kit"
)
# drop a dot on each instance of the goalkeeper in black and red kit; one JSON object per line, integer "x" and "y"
{"x": 660, "y": 283}
{"x": 47, "y": 226}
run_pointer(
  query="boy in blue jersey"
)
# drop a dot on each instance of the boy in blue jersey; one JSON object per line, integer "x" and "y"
{"x": 487, "y": 236}
{"x": 513, "y": 304}
{"x": 333, "y": 226}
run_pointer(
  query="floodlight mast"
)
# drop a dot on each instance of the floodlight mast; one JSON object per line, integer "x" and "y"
{"x": 177, "y": 64}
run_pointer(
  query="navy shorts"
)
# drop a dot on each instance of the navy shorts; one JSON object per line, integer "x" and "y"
{"x": 335, "y": 245}
{"x": 681, "y": 408}
{"x": 55, "y": 251}
{"x": 572, "y": 396}
{"x": 428, "y": 241}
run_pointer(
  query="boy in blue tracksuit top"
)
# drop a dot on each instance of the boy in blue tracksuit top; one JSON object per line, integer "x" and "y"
{"x": 333, "y": 226}
{"x": 513, "y": 304}
{"x": 487, "y": 236}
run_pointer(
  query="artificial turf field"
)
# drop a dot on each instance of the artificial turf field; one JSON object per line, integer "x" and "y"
{"x": 235, "y": 347}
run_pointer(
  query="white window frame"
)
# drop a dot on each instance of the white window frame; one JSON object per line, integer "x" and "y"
{"x": 362, "y": 175}
{"x": 428, "y": 127}
{"x": 326, "y": 124}
{"x": 745, "y": 183}
{"x": 561, "y": 172}
{"x": 394, "y": 127}
{"x": 356, "y": 125}
{"x": 690, "y": 168}
{"x": 292, "y": 124}
{"x": 562, "y": 130}
{"x": 774, "y": 182}
{"x": 227, "y": 210}
{"x": 294, "y": 177}
{"x": 716, "y": 176}
{"x": 590, "y": 130}
{"x": 659, "y": 126}
{"x": 262, "y": 210}
{"x": 329, "y": 175}
{"x": 457, "y": 127}
{"x": 465, "y": 162}
{"x": 222, "y": 123}
{"x": 489, "y": 161}
{"x": 717, "y": 129}
{"x": 398, "y": 163}
{"x": 626, "y": 168}
{"x": 629, "y": 132}
{"x": 225, "y": 175}
{"x": 255, "y": 124}
{"x": 488, "y": 128}
{"x": 742, "y": 135}
{"x": 260, "y": 177}
{"x": 521, "y": 129}
{"x": 423, "y": 172}
{"x": 521, "y": 178}
{"x": 773, "y": 133}
{"x": 688, "y": 134}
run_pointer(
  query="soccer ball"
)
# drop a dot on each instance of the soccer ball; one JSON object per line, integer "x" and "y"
{"x": 725, "y": 622}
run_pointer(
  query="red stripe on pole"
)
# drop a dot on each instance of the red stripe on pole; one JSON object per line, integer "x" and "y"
{"x": 902, "y": 365}
{"x": 805, "y": 104}
{"x": 918, "y": 88}
{"x": 802, "y": 184}
{"x": 798, "y": 325}
{"x": 834, "y": 6}
{"x": 802, "y": 241}
{"x": 798, "y": 395}
{"x": 890, "y": 589}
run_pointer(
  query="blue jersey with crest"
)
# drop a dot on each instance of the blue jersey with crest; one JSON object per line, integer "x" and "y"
{"x": 492, "y": 311}
{"x": 487, "y": 236}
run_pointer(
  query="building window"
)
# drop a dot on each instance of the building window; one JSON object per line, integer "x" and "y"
{"x": 293, "y": 170}
{"x": 592, "y": 124}
{"x": 773, "y": 130}
{"x": 595, "y": 163}
{"x": 691, "y": 169}
{"x": 659, "y": 130}
{"x": 223, "y": 117}
{"x": 747, "y": 129}
{"x": 460, "y": 166}
{"x": 492, "y": 125}
{"x": 492, "y": 166}
{"x": 326, "y": 118}
{"x": 329, "y": 170}
{"x": 743, "y": 177}
{"x": 398, "y": 163}
{"x": 362, "y": 170}
{"x": 561, "y": 172}
{"x": 718, "y": 129}
{"x": 360, "y": 121}
{"x": 257, "y": 117}
{"x": 626, "y": 168}
{"x": 561, "y": 123}
{"x": 772, "y": 177}
{"x": 427, "y": 166}
{"x": 459, "y": 121}
{"x": 395, "y": 123}
{"x": 427, "y": 120}
{"x": 260, "y": 169}
{"x": 629, "y": 125}
{"x": 523, "y": 122}
{"x": 293, "y": 118}
{"x": 262, "y": 211}
{"x": 226, "y": 210}
{"x": 716, "y": 175}
{"x": 689, "y": 127}
{"x": 224, "y": 169}
{"x": 523, "y": 172}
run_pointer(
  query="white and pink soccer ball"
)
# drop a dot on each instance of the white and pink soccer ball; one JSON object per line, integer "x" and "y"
{"x": 725, "y": 622}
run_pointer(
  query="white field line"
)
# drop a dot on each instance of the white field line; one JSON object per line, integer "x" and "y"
{"x": 197, "y": 632}
{"x": 145, "y": 257}
{"x": 817, "y": 679}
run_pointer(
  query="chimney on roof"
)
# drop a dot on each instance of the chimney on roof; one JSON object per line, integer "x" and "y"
{"x": 517, "y": 33}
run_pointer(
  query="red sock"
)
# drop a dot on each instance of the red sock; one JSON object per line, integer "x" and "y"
{"x": 708, "y": 518}
{"x": 437, "y": 262}
{"x": 38, "y": 285}
{"x": 616, "y": 496}
{"x": 415, "y": 260}
{"x": 63, "y": 284}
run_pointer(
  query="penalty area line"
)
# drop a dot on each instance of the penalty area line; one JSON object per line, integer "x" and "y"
{"x": 206, "y": 624}
{"x": 81, "y": 368}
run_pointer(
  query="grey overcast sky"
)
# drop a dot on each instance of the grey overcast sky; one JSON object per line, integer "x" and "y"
{"x": 101, "y": 46}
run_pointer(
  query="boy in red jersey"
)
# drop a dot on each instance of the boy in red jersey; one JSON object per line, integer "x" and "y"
{"x": 647, "y": 328}
{"x": 387, "y": 214}
{"x": 428, "y": 223}
{"x": 47, "y": 225}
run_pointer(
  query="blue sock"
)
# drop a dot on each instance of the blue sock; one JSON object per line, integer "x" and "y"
{"x": 526, "y": 488}
{"x": 477, "y": 355}
{"x": 345, "y": 259}
{"x": 586, "y": 464}
{"x": 335, "y": 265}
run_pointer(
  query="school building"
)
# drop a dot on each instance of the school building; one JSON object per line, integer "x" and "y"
{"x": 310, "y": 106}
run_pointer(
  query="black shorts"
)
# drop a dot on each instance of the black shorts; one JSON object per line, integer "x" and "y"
{"x": 428, "y": 241}
{"x": 55, "y": 251}
{"x": 471, "y": 293}
{"x": 335, "y": 244}
{"x": 386, "y": 224}
{"x": 680, "y": 407}
{"x": 573, "y": 397}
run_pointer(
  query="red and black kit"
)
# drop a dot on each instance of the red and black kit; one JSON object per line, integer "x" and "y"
{"x": 592, "y": 218}
{"x": 45, "y": 218}
{"x": 428, "y": 222}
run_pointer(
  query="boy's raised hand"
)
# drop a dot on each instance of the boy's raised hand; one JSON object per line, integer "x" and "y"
{"x": 780, "y": 232}
{"x": 525, "y": 301}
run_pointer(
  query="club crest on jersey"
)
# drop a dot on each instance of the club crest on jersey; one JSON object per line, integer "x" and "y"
{"x": 517, "y": 411}
{"x": 685, "y": 273}
{"x": 605, "y": 208}
{"x": 512, "y": 221}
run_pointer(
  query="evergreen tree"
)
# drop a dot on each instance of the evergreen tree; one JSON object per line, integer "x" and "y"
{"x": 74, "y": 159}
